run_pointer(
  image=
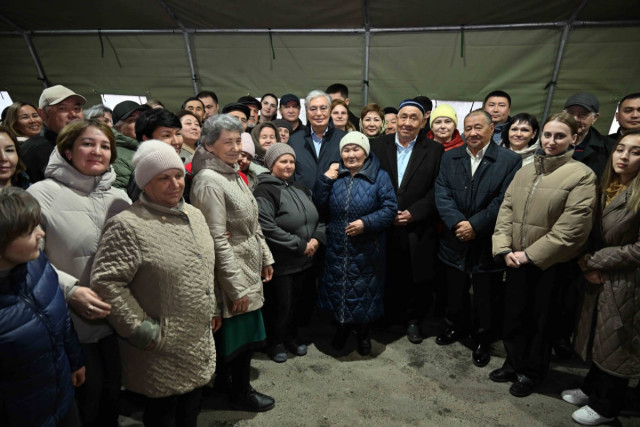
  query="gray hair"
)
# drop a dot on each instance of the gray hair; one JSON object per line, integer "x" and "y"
{"x": 316, "y": 94}
{"x": 482, "y": 113}
{"x": 97, "y": 111}
{"x": 214, "y": 126}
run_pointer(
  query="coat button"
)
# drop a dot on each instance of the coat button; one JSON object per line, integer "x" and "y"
{"x": 199, "y": 256}
{"x": 164, "y": 218}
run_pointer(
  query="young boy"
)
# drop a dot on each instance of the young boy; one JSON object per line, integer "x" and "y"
{"x": 40, "y": 357}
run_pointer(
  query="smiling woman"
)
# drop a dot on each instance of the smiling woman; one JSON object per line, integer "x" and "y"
{"x": 23, "y": 119}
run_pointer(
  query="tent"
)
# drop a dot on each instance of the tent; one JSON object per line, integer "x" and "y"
{"x": 384, "y": 51}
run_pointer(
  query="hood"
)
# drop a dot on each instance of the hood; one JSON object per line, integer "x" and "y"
{"x": 203, "y": 159}
{"x": 369, "y": 170}
{"x": 268, "y": 179}
{"x": 546, "y": 164}
{"x": 61, "y": 170}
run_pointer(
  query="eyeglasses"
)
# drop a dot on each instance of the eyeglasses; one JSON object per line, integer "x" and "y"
{"x": 323, "y": 108}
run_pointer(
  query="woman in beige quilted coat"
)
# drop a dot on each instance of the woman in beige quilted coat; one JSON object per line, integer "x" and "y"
{"x": 242, "y": 257}
{"x": 154, "y": 265}
{"x": 609, "y": 326}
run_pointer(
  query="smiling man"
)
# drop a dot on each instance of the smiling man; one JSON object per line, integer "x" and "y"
{"x": 628, "y": 115}
{"x": 412, "y": 161}
{"x": 498, "y": 105}
{"x": 290, "y": 111}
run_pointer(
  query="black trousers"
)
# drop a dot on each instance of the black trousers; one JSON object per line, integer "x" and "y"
{"x": 606, "y": 392}
{"x": 71, "y": 418}
{"x": 529, "y": 294}
{"x": 98, "y": 397}
{"x": 459, "y": 309}
{"x": 180, "y": 410}
{"x": 289, "y": 299}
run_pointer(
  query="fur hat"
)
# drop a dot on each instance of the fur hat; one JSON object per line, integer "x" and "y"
{"x": 153, "y": 157}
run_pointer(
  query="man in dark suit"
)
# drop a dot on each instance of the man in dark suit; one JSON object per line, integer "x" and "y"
{"x": 413, "y": 163}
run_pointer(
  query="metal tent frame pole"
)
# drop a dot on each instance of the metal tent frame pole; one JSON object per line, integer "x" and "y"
{"x": 367, "y": 45}
{"x": 32, "y": 50}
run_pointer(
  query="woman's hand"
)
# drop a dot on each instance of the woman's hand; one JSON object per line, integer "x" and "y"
{"x": 78, "y": 377}
{"x": 216, "y": 323}
{"x": 240, "y": 305}
{"x": 594, "y": 277}
{"x": 88, "y": 304}
{"x": 354, "y": 228}
{"x": 267, "y": 273}
{"x": 312, "y": 247}
{"x": 332, "y": 173}
{"x": 515, "y": 259}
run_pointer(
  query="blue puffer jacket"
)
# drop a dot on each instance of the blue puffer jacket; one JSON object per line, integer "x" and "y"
{"x": 38, "y": 347}
{"x": 353, "y": 281}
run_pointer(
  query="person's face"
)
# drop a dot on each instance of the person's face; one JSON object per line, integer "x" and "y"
{"x": 171, "y": 136}
{"x": 628, "y": 114}
{"x": 253, "y": 115}
{"x": 477, "y": 132}
{"x": 443, "y": 128}
{"x": 338, "y": 95}
{"x": 284, "y": 135}
{"x": 29, "y": 122}
{"x": 240, "y": 116}
{"x": 410, "y": 120}
{"x": 8, "y": 159}
{"x": 196, "y": 108}
{"x": 290, "y": 111}
{"x": 210, "y": 106}
{"x": 244, "y": 160}
{"x": 107, "y": 119}
{"x": 284, "y": 167}
{"x": 128, "y": 125}
{"x": 166, "y": 188}
{"x": 58, "y": 116}
{"x": 626, "y": 158}
{"x": 267, "y": 137}
{"x": 269, "y": 106}
{"x": 23, "y": 249}
{"x": 190, "y": 130}
{"x": 371, "y": 124}
{"x": 584, "y": 117}
{"x": 520, "y": 134}
{"x": 499, "y": 109}
{"x": 318, "y": 112}
{"x": 228, "y": 147}
{"x": 556, "y": 138}
{"x": 340, "y": 116}
{"x": 353, "y": 157}
{"x": 392, "y": 122}
{"x": 91, "y": 152}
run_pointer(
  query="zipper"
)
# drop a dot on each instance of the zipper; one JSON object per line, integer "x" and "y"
{"x": 345, "y": 263}
{"x": 523, "y": 239}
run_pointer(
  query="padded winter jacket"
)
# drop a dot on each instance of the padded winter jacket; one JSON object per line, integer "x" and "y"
{"x": 123, "y": 166}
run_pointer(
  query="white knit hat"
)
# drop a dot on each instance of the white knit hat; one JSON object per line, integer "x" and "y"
{"x": 153, "y": 157}
{"x": 247, "y": 144}
{"x": 356, "y": 138}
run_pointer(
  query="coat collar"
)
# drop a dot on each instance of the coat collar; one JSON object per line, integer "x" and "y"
{"x": 204, "y": 159}
{"x": 545, "y": 165}
{"x": 369, "y": 170}
{"x": 61, "y": 170}
{"x": 621, "y": 199}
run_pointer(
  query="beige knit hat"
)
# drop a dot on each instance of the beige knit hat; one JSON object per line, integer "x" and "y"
{"x": 277, "y": 150}
{"x": 356, "y": 138}
{"x": 153, "y": 157}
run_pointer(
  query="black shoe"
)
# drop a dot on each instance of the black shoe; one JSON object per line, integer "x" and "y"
{"x": 295, "y": 348}
{"x": 502, "y": 375}
{"x": 450, "y": 336}
{"x": 340, "y": 338}
{"x": 277, "y": 353}
{"x": 481, "y": 355}
{"x": 364, "y": 346}
{"x": 413, "y": 333}
{"x": 252, "y": 401}
{"x": 523, "y": 387}
{"x": 563, "y": 350}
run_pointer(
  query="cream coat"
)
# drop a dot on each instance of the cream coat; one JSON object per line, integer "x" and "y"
{"x": 155, "y": 267}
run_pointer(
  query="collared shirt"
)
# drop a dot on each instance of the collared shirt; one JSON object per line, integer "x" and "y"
{"x": 317, "y": 140}
{"x": 403, "y": 155}
{"x": 476, "y": 160}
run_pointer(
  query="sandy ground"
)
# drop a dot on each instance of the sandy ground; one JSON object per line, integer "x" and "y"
{"x": 399, "y": 384}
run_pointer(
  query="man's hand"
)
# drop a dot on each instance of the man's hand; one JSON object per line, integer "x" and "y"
{"x": 403, "y": 218}
{"x": 332, "y": 173}
{"x": 464, "y": 231}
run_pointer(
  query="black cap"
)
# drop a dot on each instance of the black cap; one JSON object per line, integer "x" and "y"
{"x": 236, "y": 106}
{"x": 289, "y": 97}
{"x": 584, "y": 99}
{"x": 390, "y": 110}
{"x": 124, "y": 109}
{"x": 249, "y": 100}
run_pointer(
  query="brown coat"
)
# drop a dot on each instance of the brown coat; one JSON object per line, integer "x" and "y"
{"x": 547, "y": 211}
{"x": 614, "y": 306}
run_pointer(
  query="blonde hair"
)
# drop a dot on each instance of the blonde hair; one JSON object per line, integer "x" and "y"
{"x": 609, "y": 176}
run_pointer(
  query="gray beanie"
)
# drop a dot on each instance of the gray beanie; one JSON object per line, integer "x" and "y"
{"x": 153, "y": 157}
{"x": 356, "y": 138}
{"x": 276, "y": 151}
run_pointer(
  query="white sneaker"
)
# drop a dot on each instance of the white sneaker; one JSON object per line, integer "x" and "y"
{"x": 588, "y": 417}
{"x": 575, "y": 396}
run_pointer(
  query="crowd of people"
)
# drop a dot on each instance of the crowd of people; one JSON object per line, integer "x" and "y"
{"x": 157, "y": 251}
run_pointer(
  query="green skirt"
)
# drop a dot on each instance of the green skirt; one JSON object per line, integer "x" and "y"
{"x": 241, "y": 333}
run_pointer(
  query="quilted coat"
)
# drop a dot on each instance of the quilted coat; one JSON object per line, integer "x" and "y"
{"x": 155, "y": 266}
{"x": 38, "y": 347}
{"x": 609, "y": 326}
{"x": 74, "y": 209}
{"x": 353, "y": 281}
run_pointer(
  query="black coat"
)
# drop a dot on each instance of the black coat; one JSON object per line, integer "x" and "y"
{"x": 417, "y": 195}
{"x": 36, "y": 152}
{"x": 597, "y": 152}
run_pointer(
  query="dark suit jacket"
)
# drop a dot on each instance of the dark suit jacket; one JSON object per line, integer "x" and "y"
{"x": 417, "y": 195}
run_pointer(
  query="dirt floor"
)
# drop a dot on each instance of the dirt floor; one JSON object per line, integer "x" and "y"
{"x": 399, "y": 384}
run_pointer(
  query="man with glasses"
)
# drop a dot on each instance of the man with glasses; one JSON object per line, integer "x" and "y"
{"x": 318, "y": 146}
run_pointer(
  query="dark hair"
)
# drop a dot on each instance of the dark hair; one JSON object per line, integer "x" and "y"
{"x": 193, "y": 98}
{"x": 338, "y": 88}
{"x": 269, "y": 94}
{"x": 521, "y": 117}
{"x": 628, "y": 97}
{"x": 149, "y": 121}
{"x": 425, "y": 102}
{"x": 208, "y": 94}
{"x": 19, "y": 214}
{"x": 499, "y": 93}
{"x": 13, "y": 112}
{"x": 71, "y": 132}
{"x": 20, "y": 167}
{"x": 180, "y": 114}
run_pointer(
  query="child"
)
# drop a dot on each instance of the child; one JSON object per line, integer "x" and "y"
{"x": 40, "y": 357}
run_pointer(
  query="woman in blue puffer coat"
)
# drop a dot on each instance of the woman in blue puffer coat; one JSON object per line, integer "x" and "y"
{"x": 361, "y": 203}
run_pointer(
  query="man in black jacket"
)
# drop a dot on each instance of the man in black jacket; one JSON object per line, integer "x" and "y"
{"x": 628, "y": 115}
{"x": 413, "y": 163}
